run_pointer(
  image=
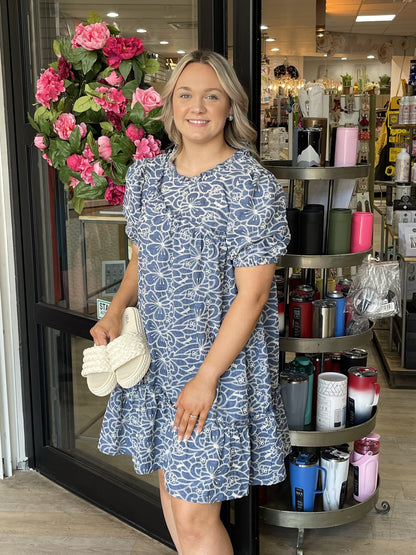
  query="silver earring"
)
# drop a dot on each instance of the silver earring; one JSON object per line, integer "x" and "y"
{"x": 230, "y": 117}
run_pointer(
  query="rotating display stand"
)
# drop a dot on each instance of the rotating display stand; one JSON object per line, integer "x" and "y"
{"x": 275, "y": 511}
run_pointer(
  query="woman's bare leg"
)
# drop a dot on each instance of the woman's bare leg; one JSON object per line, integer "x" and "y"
{"x": 167, "y": 511}
{"x": 200, "y": 529}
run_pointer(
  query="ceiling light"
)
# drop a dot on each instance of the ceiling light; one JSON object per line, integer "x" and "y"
{"x": 263, "y": 27}
{"x": 385, "y": 17}
{"x": 141, "y": 31}
{"x": 370, "y": 57}
{"x": 164, "y": 42}
{"x": 180, "y": 51}
{"x": 275, "y": 49}
{"x": 344, "y": 58}
{"x": 269, "y": 39}
{"x": 320, "y": 34}
{"x": 112, "y": 14}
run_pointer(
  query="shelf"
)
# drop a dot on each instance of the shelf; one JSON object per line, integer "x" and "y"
{"x": 332, "y": 437}
{"x": 323, "y": 260}
{"x": 316, "y": 172}
{"x": 325, "y": 345}
{"x": 318, "y": 519}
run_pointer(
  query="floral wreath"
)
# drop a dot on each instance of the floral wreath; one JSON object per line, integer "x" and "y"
{"x": 95, "y": 114}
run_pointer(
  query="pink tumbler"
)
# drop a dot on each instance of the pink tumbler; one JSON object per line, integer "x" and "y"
{"x": 346, "y": 146}
{"x": 361, "y": 231}
{"x": 364, "y": 460}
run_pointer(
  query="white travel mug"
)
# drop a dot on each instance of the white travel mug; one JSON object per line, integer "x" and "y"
{"x": 336, "y": 463}
{"x": 331, "y": 404}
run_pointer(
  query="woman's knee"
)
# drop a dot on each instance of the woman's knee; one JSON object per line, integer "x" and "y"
{"x": 195, "y": 519}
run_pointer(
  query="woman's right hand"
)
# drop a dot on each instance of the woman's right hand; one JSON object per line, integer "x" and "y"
{"x": 106, "y": 329}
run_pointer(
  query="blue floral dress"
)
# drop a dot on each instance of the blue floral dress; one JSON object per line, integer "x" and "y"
{"x": 191, "y": 233}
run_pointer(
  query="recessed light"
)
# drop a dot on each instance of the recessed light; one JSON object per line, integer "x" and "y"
{"x": 164, "y": 42}
{"x": 370, "y": 57}
{"x": 366, "y": 18}
{"x": 112, "y": 14}
{"x": 270, "y": 39}
{"x": 141, "y": 31}
{"x": 275, "y": 49}
{"x": 263, "y": 27}
{"x": 344, "y": 58}
{"x": 180, "y": 51}
{"x": 320, "y": 35}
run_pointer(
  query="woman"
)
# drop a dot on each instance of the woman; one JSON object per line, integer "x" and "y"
{"x": 208, "y": 224}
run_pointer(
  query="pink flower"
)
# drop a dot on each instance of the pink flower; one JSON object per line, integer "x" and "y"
{"x": 88, "y": 154}
{"x": 115, "y": 120}
{"x": 148, "y": 98}
{"x": 118, "y": 49}
{"x": 113, "y": 100}
{"x": 49, "y": 87}
{"x": 73, "y": 182}
{"x": 147, "y": 148}
{"x": 65, "y": 124}
{"x": 91, "y": 37}
{"x": 39, "y": 142}
{"x": 114, "y": 79}
{"x": 77, "y": 163}
{"x": 114, "y": 194}
{"x": 86, "y": 174}
{"x": 45, "y": 157}
{"x": 104, "y": 148}
{"x": 134, "y": 134}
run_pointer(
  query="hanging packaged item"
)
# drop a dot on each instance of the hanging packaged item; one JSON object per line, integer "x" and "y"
{"x": 376, "y": 290}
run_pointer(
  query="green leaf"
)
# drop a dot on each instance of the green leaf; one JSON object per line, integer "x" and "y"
{"x": 66, "y": 48}
{"x": 33, "y": 123}
{"x": 84, "y": 190}
{"x": 107, "y": 127}
{"x": 100, "y": 182}
{"x": 92, "y": 144}
{"x": 75, "y": 55}
{"x": 121, "y": 143}
{"x": 78, "y": 204}
{"x": 41, "y": 113}
{"x": 56, "y": 47}
{"x": 83, "y": 103}
{"x": 75, "y": 139}
{"x": 64, "y": 174}
{"x": 154, "y": 127}
{"x": 151, "y": 65}
{"x": 137, "y": 113}
{"x": 130, "y": 88}
{"x": 44, "y": 126}
{"x": 113, "y": 30}
{"x": 93, "y": 17}
{"x": 55, "y": 66}
{"x": 88, "y": 60}
{"x": 58, "y": 152}
{"x": 125, "y": 68}
{"x": 154, "y": 113}
{"x": 138, "y": 73}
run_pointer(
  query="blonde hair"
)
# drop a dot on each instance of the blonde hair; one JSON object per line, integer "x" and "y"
{"x": 238, "y": 133}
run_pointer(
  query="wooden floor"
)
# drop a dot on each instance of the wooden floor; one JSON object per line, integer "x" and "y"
{"x": 39, "y": 517}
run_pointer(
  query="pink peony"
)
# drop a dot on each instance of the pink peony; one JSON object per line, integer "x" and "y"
{"x": 49, "y": 87}
{"x": 87, "y": 173}
{"x": 104, "y": 148}
{"x": 39, "y": 142}
{"x": 113, "y": 100}
{"x": 148, "y": 98}
{"x": 134, "y": 134}
{"x": 77, "y": 163}
{"x": 118, "y": 49}
{"x": 91, "y": 37}
{"x": 65, "y": 124}
{"x": 114, "y": 194}
{"x": 87, "y": 153}
{"x": 114, "y": 79}
{"x": 147, "y": 148}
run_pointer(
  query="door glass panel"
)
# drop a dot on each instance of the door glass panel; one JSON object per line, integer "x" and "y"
{"x": 82, "y": 258}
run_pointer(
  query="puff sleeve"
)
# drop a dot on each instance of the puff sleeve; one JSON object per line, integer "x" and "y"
{"x": 257, "y": 230}
{"x": 132, "y": 205}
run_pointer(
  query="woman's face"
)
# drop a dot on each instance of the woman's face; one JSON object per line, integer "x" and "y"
{"x": 200, "y": 105}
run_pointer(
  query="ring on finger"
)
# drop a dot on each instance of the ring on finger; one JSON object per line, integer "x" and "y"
{"x": 193, "y": 416}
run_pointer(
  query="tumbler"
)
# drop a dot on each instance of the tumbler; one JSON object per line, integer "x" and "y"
{"x": 339, "y": 298}
{"x": 361, "y": 231}
{"x": 305, "y": 366}
{"x": 293, "y": 222}
{"x": 353, "y": 357}
{"x": 331, "y": 404}
{"x": 295, "y": 390}
{"x": 311, "y": 229}
{"x": 324, "y": 312}
{"x": 363, "y": 394}
{"x": 303, "y": 474}
{"x": 346, "y": 146}
{"x": 336, "y": 464}
{"x": 339, "y": 231}
{"x": 364, "y": 460}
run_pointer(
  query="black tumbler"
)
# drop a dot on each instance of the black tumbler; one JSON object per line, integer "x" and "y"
{"x": 293, "y": 221}
{"x": 312, "y": 229}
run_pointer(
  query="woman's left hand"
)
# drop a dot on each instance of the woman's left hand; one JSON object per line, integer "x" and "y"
{"x": 193, "y": 405}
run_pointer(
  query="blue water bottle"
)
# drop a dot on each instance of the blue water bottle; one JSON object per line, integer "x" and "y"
{"x": 303, "y": 476}
{"x": 339, "y": 298}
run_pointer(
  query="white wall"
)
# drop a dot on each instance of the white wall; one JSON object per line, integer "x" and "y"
{"x": 12, "y": 441}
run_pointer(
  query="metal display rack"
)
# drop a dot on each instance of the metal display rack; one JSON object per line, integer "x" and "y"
{"x": 275, "y": 512}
